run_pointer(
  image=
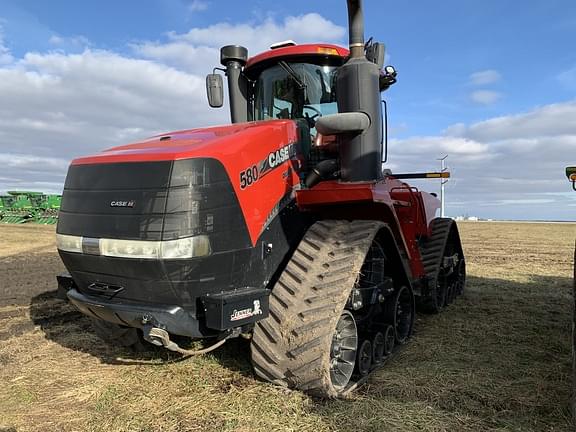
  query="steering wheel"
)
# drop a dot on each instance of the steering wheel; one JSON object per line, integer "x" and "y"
{"x": 311, "y": 119}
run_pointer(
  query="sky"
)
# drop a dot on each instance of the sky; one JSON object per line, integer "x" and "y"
{"x": 490, "y": 83}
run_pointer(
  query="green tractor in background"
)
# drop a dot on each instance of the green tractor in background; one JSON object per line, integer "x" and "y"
{"x": 20, "y": 207}
{"x": 5, "y": 205}
{"x": 47, "y": 207}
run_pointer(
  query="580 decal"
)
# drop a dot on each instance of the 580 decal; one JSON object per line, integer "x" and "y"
{"x": 249, "y": 176}
{"x": 252, "y": 174}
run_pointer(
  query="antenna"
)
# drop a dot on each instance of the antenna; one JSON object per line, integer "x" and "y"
{"x": 442, "y": 183}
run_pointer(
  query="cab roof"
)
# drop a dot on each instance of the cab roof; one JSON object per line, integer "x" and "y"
{"x": 296, "y": 51}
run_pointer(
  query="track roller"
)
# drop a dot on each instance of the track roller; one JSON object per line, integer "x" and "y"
{"x": 364, "y": 358}
{"x": 378, "y": 348}
{"x": 390, "y": 340}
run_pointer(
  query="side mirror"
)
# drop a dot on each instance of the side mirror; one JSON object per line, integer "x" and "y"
{"x": 214, "y": 90}
{"x": 387, "y": 77}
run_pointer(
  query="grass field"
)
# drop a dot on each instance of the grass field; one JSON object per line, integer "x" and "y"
{"x": 497, "y": 359}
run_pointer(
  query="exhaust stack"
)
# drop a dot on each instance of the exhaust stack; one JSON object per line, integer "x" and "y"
{"x": 356, "y": 28}
{"x": 234, "y": 57}
{"x": 359, "y": 91}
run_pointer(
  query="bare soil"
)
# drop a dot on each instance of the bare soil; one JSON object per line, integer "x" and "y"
{"x": 499, "y": 358}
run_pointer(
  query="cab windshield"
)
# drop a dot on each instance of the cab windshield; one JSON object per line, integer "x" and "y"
{"x": 295, "y": 91}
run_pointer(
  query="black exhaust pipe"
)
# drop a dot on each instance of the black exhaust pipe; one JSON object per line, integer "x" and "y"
{"x": 234, "y": 57}
{"x": 356, "y": 28}
{"x": 359, "y": 91}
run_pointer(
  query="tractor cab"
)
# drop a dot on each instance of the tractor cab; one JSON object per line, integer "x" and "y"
{"x": 300, "y": 83}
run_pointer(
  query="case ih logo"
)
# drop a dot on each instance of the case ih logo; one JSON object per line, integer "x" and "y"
{"x": 122, "y": 203}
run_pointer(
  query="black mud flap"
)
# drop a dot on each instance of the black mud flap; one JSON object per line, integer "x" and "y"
{"x": 235, "y": 308}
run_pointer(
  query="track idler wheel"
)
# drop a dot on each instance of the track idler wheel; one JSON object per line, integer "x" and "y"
{"x": 378, "y": 348}
{"x": 343, "y": 350}
{"x": 364, "y": 358}
{"x": 400, "y": 312}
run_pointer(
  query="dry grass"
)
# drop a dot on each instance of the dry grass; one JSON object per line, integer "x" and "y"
{"x": 498, "y": 359}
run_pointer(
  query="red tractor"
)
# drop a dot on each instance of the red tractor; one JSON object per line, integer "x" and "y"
{"x": 281, "y": 227}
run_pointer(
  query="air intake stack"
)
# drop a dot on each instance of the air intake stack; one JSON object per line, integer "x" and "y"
{"x": 234, "y": 57}
{"x": 359, "y": 91}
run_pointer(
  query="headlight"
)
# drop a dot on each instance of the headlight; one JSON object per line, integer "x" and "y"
{"x": 188, "y": 247}
{"x": 130, "y": 248}
{"x": 69, "y": 243}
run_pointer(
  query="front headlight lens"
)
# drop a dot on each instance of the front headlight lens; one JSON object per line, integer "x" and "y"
{"x": 186, "y": 248}
{"x": 130, "y": 248}
{"x": 69, "y": 243}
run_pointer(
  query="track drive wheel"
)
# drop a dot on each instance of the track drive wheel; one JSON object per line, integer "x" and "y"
{"x": 117, "y": 335}
{"x": 309, "y": 341}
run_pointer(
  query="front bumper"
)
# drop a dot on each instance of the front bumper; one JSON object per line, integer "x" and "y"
{"x": 173, "y": 318}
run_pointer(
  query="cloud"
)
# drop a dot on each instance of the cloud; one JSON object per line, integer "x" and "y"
{"x": 505, "y": 167}
{"x": 485, "y": 77}
{"x": 553, "y": 120}
{"x": 69, "y": 43}
{"x": 198, "y": 6}
{"x": 310, "y": 27}
{"x": 5, "y": 54}
{"x": 465, "y": 148}
{"x": 485, "y": 97}
{"x": 197, "y": 51}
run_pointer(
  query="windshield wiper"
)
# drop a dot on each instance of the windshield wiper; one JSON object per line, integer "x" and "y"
{"x": 292, "y": 73}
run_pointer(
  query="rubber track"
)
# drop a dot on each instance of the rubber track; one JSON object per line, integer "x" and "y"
{"x": 432, "y": 253}
{"x": 292, "y": 346}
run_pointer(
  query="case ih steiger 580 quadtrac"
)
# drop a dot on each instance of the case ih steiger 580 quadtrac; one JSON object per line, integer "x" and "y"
{"x": 281, "y": 227}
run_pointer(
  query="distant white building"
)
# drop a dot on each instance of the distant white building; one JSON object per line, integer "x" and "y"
{"x": 467, "y": 218}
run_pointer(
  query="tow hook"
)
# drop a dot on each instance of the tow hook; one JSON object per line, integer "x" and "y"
{"x": 161, "y": 337}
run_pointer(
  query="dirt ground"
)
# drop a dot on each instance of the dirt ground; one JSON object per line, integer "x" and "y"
{"x": 497, "y": 359}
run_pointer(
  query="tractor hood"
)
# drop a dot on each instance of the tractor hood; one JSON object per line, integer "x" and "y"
{"x": 240, "y": 141}
{"x": 142, "y": 174}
